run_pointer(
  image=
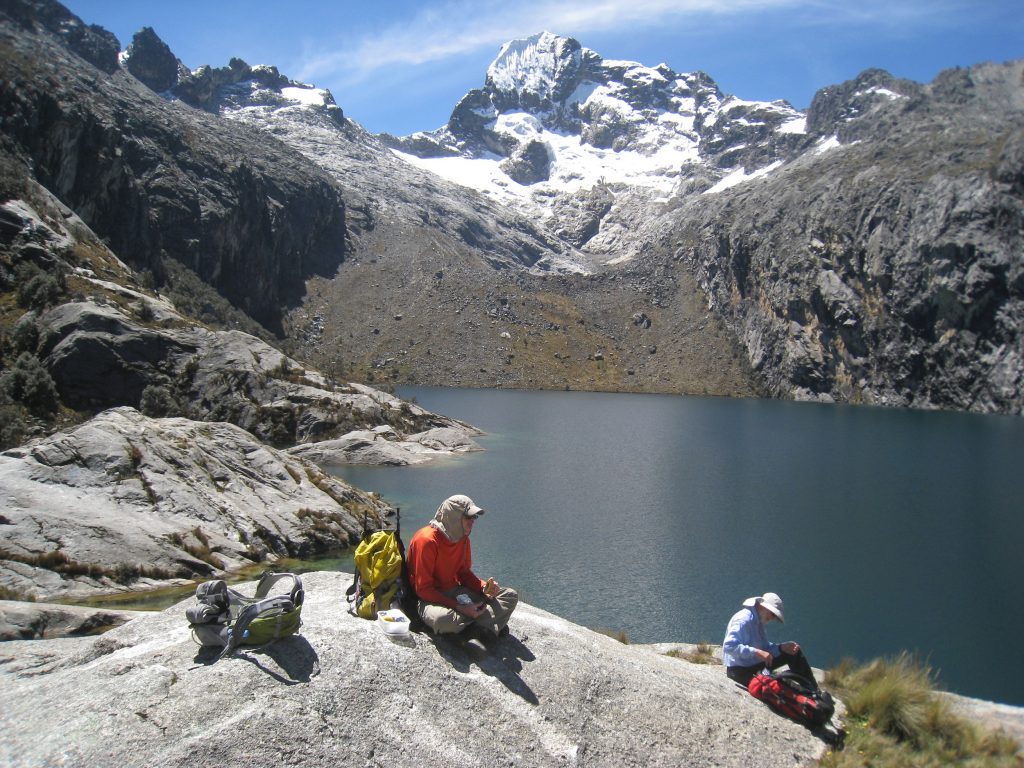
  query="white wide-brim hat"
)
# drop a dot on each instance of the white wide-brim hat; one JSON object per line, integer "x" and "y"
{"x": 769, "y": 600}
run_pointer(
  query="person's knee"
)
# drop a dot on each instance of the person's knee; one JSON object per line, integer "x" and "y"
{"x": 440, "y": 619}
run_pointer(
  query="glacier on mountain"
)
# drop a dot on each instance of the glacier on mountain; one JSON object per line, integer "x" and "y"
{"x": 556, "y": 134}
{"x": 622, "y": 126}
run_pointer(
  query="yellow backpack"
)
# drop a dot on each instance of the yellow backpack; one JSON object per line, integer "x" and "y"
{"x": 378, "y": 574}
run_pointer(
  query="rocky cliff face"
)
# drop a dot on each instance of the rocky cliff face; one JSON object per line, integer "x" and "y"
{"x": 113, "y": 342}
{"x": 886, "y": 269}
{"x": 129, "y": 502}
{"x": 162, "y": 181}
{"x": 342, "y": 693}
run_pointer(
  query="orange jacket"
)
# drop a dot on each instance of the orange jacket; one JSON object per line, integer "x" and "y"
{"x": 437, "y": 564}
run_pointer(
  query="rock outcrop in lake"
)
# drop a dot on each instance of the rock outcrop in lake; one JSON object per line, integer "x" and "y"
{"x": 21, "y": 620}
{"x": 128, "y": 502}
{"x": 343, "y": 693}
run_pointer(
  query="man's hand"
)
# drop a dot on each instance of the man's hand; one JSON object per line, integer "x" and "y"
{"x": 790, "y": 647}
{"x": 491, "y": 588}
{"x": 764, "y": 656}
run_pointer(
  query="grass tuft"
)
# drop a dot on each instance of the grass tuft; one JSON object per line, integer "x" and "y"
{"x": 702, "y": 654}
{"x": 614, "y": 634}
{"x": 895, "y": 717}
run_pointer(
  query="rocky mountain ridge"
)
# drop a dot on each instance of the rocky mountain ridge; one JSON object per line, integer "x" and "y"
{"x": 889, "y": 269}
{"x": 163, "y": 182}
{"x": 554, "y": 115}
{"x": 193, "y": 488}
{"x": 438, "y": 283}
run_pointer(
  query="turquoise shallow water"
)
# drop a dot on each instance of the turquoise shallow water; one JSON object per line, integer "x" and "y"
{"x": 883, "y": 530}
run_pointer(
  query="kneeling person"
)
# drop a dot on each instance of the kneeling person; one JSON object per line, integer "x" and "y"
{"x": 746, "y": 648}
{"x": 450, "y": 596}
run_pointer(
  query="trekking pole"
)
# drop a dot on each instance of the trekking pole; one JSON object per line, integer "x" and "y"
{"x": 398, "y": 522}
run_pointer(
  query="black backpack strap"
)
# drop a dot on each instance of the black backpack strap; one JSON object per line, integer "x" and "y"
{"x": 793, "y": 680}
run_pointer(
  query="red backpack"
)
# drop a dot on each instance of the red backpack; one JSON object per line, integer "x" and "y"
{"x": 789, "y": 694}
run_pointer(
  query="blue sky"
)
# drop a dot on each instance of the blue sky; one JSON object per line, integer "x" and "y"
{"x": 402, "y": 65}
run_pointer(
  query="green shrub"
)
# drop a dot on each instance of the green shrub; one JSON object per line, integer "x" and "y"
{"x": 6, "y": 593}
{"x": 13, "y": 424}
{"x": 157, "y": 402}
{"x": 145, "y": 312}
{"x": 200, "y": 550}
{"x": 614, "y": 634}
{"x": 197, "y": 299}
{"x": 25, "y": 336}
{"x": 29, "y": 383}
{"x": 702, "y": 654}
{"x": 38, "y": 289}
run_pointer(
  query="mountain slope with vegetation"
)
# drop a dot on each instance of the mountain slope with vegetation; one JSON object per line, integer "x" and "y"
{"x": 866, "y": 251}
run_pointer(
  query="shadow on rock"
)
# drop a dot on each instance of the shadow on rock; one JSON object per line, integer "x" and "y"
{"x": 296, "y": 660}
{"x": 500, "y": 658}
{"x": 512, "y": 652}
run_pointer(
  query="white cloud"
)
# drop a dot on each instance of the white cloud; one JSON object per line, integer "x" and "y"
{"x": 453, "y": 28}
{"x": 457, "y": 27}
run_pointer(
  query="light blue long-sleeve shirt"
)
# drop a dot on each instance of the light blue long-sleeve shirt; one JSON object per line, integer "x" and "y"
{"x": 745, "y": 635}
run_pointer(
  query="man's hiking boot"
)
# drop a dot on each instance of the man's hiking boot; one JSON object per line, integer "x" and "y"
{"x": 478, "y": 637}
{"x": 481, "y": 635}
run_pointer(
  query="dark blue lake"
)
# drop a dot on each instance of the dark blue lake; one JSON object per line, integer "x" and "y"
{"x": 883, "y": 530}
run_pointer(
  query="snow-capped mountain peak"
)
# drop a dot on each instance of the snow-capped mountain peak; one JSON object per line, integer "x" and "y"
{"x": 554, "y": 120}
{"x": 537, "y": 65}
{"x": 582, "y": 144}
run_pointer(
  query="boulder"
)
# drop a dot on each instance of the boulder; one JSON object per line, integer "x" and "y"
{"x": 529, "y": 164}
{"x": 36, "y": 621}
{"x": 343, "y": 693}
{"x": 128, "y": 502}
{"x": 383, "y": 447}
{"x": 100, "y": 356}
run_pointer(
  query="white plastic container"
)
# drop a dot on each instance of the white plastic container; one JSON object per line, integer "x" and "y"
{"x": 393, "y": 622}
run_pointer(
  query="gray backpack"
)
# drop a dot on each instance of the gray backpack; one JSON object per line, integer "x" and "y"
{"x": 224, "y": 617}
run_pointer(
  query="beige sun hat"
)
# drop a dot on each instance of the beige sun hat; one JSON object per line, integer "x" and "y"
{"x": 769, "y": 600}
{"x": 460, "y": 505}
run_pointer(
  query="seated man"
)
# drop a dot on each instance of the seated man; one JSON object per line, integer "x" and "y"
{"x": 450, "y": 596}
{"x": 746, "y": 649}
